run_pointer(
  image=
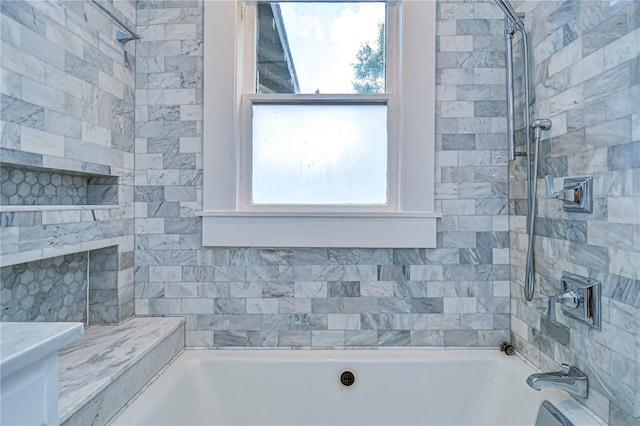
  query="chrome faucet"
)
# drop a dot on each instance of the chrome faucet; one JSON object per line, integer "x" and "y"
{"x": 568, "y": 379}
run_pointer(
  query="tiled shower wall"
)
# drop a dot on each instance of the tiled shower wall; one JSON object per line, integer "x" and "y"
{"x": 45, "y": 290}
{"x": 586, "y": 57}
{"x": 66, "y": 113}
{"x": 454, "y": 295}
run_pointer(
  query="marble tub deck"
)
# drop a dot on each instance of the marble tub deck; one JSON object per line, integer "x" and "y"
{"x": 101, "y": 372}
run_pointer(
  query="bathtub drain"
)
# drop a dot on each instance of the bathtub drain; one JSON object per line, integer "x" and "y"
{"x": 347, "y": 378}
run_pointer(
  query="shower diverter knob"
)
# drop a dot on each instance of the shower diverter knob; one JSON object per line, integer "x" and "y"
{"x": 577, "y": 193}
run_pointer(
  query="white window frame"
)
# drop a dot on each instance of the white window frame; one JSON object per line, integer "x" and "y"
{"x": 230, "y": 220}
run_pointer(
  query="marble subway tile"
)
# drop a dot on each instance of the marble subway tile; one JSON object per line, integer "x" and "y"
{"x": 294, "y": 305}
{"x": 294, "y": 338}
{"x": 344, "y": 321}
{"x": 327, "y": 338}
{"x": 460, "y": 338}
{"x": 394, "y": 338}
{"x": 230, "y": 338}
{"x": 311, "y": 289}
{"x": 343, "y": 288}
{"x": 429, "y": 338}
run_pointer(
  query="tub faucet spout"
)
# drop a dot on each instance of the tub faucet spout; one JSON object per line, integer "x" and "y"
{"x": 568, "y": 379}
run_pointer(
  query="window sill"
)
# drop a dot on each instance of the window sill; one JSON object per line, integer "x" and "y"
{"x": 336, "y": 230}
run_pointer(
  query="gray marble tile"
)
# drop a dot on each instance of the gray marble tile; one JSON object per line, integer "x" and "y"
{"x": 19, "y": 112}
{"x": 358, "y": 305}
{"x": 393, "y": 305}
{"x": 394, "y": 338}
{"x": 607, "y": 82}
{"x": 327, "y": 306}
{"x": 310, "y": 257}
{"x": 276, "y": 257}
{"x": 262, "y": 338}
{"x": 559, "y": 228}
{"x": 429, "y": 305}
{"x": 490, "y": 109}
{"x": 278, "y": 289}
{"x": 229, "y": 306}
{"x": 230, "y": 338}
{"x": 343, "y": 288}
{"x": 376, "y": 321}
{"x": 212, "y": 322}
{"x": 591, "y": 256}
{"x": 431, "y": 338}
{"x": 409, "y": 256}
{"x": 460, "y": 338}
{"x": 457, "y": 142}
{"x": 393, "y": 273}
{"x": 327, "y": 338}
{"x": 624, "y": 157}
{"x": 294, "y": 338}
{"x": 556, "y": 331}
{"x": 410, "y": 289}
{"x": 26, "y": 15}
{"x": 356, "y": 338}
{"x": 607, "y": 31}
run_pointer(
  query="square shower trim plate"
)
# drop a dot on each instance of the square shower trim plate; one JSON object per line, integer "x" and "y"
{"x": 584, "y": 197}
{"x": 589, "y": 309}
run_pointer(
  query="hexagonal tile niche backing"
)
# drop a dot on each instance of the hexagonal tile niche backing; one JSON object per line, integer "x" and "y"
{"x": 52, "y": 289}
{"x": 32, "y": 186}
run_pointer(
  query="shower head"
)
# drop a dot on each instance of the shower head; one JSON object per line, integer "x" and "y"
{"x": 123, "y": 37}
{"x": 510, "y": 12}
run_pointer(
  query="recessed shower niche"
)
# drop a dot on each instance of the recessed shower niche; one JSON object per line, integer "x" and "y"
{"x": 75, "y": 287}
{"x": 22, "y": 185}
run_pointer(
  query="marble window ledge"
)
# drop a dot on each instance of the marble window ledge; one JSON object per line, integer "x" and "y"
{"x": 56, "y": 207}
{"x": 48, "y": 252}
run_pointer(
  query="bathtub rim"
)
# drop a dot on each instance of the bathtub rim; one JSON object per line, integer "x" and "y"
{"x": 573, "y": 409}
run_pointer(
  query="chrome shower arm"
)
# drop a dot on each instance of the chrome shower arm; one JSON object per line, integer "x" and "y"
{"x": 121, "y": 36}
{"x": 511, "y": 14}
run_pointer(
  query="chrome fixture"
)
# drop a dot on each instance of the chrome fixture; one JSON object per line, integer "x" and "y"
{"x": 580, "y": 299}
{"x": 513, "y": 23}
{"x": 532, "y": 188}
{"x": 569, "y": 298}
{"x": 577, "y": 193}
{"x": 568, "y": 379}
{"x": 122, "y": 37}
{"x": 549, "y": 415}
{"x": 510, "y": 13}
{"x": 511, "y": 133}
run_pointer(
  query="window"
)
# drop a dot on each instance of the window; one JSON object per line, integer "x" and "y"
{"x": 323, "y": 141}
{"x": 319, "y": 154}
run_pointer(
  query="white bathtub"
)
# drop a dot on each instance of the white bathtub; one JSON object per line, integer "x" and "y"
{"x": 392, "y": 387}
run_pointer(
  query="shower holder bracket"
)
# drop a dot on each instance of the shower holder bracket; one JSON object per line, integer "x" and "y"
{"x": 589, "y": 309}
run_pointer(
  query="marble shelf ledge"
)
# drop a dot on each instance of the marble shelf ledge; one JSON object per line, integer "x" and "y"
{"x": 55, "y": 207}
{"x": 100, "y": 373}
{"x": 22, "y": 343}
{"x": 48, "y": 252}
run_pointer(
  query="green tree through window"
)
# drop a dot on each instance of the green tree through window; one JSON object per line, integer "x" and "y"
{"x": 369, "y": 68}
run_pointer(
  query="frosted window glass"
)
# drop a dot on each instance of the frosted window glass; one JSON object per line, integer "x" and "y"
{"x": 319, "y": 154}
